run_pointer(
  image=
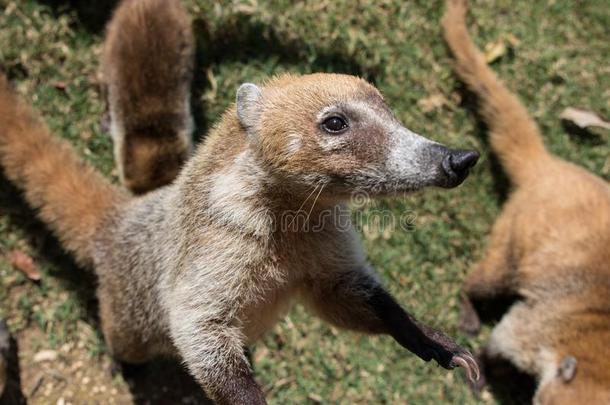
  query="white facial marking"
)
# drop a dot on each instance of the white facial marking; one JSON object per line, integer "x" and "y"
{"x": 405, "y": 146}
{"x": 293, "y": 143}
{"x": 233, "y": 193}
{"x": 406, "y": 153}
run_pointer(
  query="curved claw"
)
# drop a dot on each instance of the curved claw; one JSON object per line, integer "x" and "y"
{"x": 469, "y": 364}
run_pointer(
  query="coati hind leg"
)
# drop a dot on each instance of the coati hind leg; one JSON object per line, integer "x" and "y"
{"x": 491, "y": 277}
{"x": 122, "y": 344}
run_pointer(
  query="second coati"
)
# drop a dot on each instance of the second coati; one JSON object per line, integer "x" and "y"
{"x": 550, "y": 245}
{"x": 147, "y": 69}
{"x": 204, "y": 266}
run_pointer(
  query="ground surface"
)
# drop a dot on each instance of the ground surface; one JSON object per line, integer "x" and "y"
{"x": 557, "y": 56}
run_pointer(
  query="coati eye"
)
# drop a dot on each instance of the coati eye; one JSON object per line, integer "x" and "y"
{"x": 334, "y": 124}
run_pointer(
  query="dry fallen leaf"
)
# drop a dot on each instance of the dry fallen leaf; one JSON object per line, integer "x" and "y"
{"x": 494, "y": 51}
{"x": 25, "y": 264}
{"x": 315, "y": 398}
{"x": 432, "y": 102}
{"x": 45, "y": 355}
{"x": 59, "y": 85}
{"x": 583, "y": 118}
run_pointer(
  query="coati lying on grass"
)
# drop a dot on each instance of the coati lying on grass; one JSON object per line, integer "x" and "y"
{"x": 201, "y": 268}
{"x": 550, "y": 245}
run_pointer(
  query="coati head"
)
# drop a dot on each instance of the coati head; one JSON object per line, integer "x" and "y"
{"x": 336, "y": 131}
{"x": 568, "y": 385}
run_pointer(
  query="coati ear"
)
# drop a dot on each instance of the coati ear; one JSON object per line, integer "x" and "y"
{"x": 567, "y": 368}
{"x": 249, "y": 106}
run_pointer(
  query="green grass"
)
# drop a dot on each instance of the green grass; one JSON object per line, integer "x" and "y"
{"x": 560, "y": 60}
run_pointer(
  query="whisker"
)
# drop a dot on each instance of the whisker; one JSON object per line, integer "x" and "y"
{"x": 302, "y": 205}
{"x": 314, "y": 202}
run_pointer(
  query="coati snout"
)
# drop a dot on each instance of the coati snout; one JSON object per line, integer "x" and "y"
{"x": 456, "y": 164}
{"x": 343, "y": 136}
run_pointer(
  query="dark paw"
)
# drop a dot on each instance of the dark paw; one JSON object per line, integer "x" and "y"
{"x": 467, "y": 361}
{"x": 469, "y": 319}
{"x": 449, "y": 354}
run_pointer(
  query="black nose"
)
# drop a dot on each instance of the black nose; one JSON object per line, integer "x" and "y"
{"x": 458, "y": 162}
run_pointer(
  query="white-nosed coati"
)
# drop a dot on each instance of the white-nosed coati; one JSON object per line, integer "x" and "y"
{"x": 550, "y": 245}
{"x": 202, "y": 267}
{"x": 147, "y": 69}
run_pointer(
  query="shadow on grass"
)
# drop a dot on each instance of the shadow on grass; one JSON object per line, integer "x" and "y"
{"x": 91, "y": 14}
{"x": 12, "y": 394}
{"x": 501, "y": 182}
{"x": 39, "y": 237}
{"x": 162, "y": 381}
{"x": 238, "y": 38}
{"x": 581, "y": 135}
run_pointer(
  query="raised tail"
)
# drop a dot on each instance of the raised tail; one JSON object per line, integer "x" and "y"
{"x": 70, "y": 196}
{"x": 147, "y": 68}
{"x": 514, "y": 136}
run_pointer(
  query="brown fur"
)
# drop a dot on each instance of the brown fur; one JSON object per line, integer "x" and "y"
{"x": 200, "y": 268}
{"x": 147, "y": 68}
{"x": 204, "y": 266}
{"x": 549, "y": 245}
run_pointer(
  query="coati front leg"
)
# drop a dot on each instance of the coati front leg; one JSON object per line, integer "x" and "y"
{"x": 356, "y": 300}
{"x": 212, "y": 348}
{"x": 214, "y": 355}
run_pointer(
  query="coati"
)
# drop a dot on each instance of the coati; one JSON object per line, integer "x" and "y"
{"x": 550, "y": 246}
{"x": 202, "y": 267}
{"x": 147, "y": 69}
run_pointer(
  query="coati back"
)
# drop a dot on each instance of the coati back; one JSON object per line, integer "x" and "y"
{"x": 549, "y": 246}
{"x": 147, "y": 68}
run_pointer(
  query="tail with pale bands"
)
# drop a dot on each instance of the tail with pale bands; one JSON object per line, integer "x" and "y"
{"x": 71, "y": 197}
{"x": 514, "y": 136}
